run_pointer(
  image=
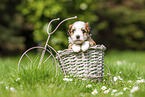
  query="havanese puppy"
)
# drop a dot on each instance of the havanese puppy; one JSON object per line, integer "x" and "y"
{"x": 79, "y": 37}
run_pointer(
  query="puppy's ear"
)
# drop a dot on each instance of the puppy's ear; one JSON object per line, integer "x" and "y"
{"x": 69, "y": 29}
{"x": 88, "y": 27}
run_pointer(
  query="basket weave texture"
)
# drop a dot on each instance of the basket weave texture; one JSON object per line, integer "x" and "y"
{"x": 89, "y": 64}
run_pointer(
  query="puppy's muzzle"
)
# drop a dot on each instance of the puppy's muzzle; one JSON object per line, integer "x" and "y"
{"x": 78, "y": 37}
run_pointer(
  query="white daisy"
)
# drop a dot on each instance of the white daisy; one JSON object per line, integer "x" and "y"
{"x": 66, "y": 76}
{"x": 17, "y": 79}
{"x": 115, "y": 90}
{"x": 95, "y": 92}
{"x": 115, "y": 79}
{"x": 88, "y": 86}
{"x": 70, "y": 80}
{"x": 139, "y": 77}
{"x": 106, "y": 91}
{"x": 134, "y": 89}
{"x": 65, "y": 79}
{"x": 125, "y": 88}
{"x": 84, "y": 79}
{"x": 103, "y": 88}
{"x": 140, "y": 81}
{"x": 129, "y": 81}
{"x": 12, "y": 89}
{"x": 7, "y": 87}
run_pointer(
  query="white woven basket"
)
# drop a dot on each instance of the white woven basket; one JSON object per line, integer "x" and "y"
{"x": 89, "y": 64}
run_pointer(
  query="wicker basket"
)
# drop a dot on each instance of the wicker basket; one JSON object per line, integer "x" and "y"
{"x": 88, "y": 65}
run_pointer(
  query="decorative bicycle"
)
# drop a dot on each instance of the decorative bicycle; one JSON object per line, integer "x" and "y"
{"x": 46, "y": 48}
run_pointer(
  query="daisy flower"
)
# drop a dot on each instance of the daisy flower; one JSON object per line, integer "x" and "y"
{"x": 65, "y": 79}
{"x": 115, "y": 90}
{"x": 66, "y": 76}
{"x": 140, "y": 81}
{"x": 95, "y": 92}
{"x": 115, "y": 79}
{"x": 84, "y": 79}
{"x": 129, "y": 81}
{"x": 125, "y": 88}
{"x": 139, "y": 77}
{"x": 17, "y": 79}
{"x": 70, "y": 80}
{"x": 106, "y": 91}
{"x": 103, "y": 88}
{"x": 134, "y": 89}
{"x": 88, "y": 86}
{"x": 7, "y": 87}
{"x": 12, "y": 89}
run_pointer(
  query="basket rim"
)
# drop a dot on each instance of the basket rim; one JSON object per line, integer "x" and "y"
{"x": 96, "y": 47}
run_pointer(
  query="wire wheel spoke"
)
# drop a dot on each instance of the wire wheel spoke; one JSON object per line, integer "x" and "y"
{"x": 47, "y": 59}
{"x": 28, "y": 57}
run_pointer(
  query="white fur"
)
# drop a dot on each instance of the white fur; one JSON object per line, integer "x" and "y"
{"x": 85, "y": 46}
{"x": 76, "y": 48}
{"x": 78, "y": 26}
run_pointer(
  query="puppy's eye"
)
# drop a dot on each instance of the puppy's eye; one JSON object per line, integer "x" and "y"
{"x": 73, "y": 30}
{"x": 83, "y": 31}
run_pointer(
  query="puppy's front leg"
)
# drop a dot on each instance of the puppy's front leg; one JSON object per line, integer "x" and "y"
{"x": 85, "y": 46}
{"x": 76, "y": 48}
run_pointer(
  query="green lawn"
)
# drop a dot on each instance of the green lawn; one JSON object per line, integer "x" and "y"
{"x": 126, "y": 67}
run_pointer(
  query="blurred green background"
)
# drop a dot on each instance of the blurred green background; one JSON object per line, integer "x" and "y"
{"x": 118, "y": 24}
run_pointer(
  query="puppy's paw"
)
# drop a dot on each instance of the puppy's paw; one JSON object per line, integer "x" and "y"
{"x": 85, "y": 46}
{"x": 76, "y": 48}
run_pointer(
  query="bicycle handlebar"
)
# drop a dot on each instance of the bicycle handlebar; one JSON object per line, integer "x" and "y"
{"x": 58, "y": 24}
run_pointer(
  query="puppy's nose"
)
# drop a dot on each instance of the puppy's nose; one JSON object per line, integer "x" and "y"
{"x": 78, "y": 36}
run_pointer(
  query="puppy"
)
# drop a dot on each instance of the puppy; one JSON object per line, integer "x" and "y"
{"x": 79, "y": 37}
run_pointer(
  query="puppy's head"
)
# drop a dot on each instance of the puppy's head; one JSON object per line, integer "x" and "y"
{"x": 79, "y": 32}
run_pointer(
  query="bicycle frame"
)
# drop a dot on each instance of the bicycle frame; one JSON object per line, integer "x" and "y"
{"x": 46, "y": 45}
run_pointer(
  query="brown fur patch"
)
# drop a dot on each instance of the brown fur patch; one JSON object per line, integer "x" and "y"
{"x": 69, "y": 30}
{"x": 91, "y": 41}
{"x": 87, "y": 27}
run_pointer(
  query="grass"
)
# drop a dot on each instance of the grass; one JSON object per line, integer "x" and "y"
{"x": 33, "y": 82}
